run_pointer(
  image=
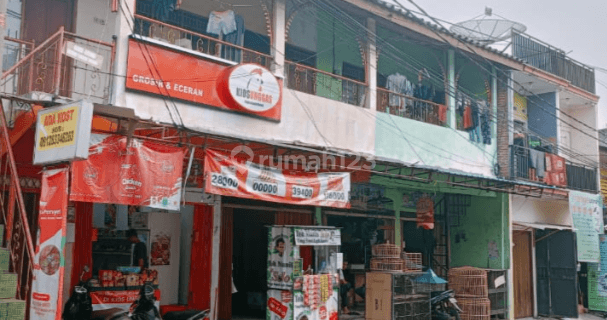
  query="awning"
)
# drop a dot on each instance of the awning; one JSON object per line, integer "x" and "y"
{"x": 541, "y": 226}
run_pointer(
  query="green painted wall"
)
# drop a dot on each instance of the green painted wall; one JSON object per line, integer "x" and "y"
{"x": 413, "y": 141}
{"x": 336, "y": 44}
{"x": 483, "y": 229}
{"x": 472, "y": 78}
{"x": 407, "y": 58}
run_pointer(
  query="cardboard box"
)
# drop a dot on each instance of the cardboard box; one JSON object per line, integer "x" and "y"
{"x": 378, "y": 296}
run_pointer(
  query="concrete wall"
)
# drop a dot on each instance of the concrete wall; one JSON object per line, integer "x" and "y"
{"x": 547, "y": 211}
{"x": 482, "y": 239}
{"x": 412, "y": 142}
{"x": 584, "y": 137}
{"x": 306, "y": 119}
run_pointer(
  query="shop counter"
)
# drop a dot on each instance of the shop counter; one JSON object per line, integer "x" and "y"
{"x": 118, "y": 298}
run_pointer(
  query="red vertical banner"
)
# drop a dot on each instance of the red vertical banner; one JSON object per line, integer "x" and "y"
{"x": 49, "y": 262}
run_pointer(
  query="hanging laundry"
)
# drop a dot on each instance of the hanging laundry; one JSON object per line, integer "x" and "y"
{"x": 442, "y": 113}
{"x": 237, "y": 38}
{"x": 396, "y": 83}
{"x": 221, "y": 22}
{"x": 486, "y": 125}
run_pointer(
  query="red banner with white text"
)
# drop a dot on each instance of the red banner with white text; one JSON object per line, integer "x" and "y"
{"x": 47, "y": 284}
{"x": 144, "y": 174}
{"x": 228, "y": 176}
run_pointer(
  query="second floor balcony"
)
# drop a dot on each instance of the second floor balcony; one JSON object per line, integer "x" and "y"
{"x": 545, "y": 167}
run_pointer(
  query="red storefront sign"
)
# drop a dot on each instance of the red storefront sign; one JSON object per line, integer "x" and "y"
{"x": 145, "y": 173}
{"x": 47, "y": 284}
{"x": 245, "y": 88}
{"x": 228, "y": 176}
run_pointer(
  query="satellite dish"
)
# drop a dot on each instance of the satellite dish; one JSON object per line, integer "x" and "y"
{"x": 487, "y": 30}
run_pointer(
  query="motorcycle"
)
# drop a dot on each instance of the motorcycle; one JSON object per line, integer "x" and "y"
{"x": 444, "y": 306}
{"x": 80, "y": 305}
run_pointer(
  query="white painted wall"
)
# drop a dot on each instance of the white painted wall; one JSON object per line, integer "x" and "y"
{"x": 168, "y": 223}
{"x": 306, "y": 120}
{"x": 545, "y": 211}
{"x": 584, "y": 137}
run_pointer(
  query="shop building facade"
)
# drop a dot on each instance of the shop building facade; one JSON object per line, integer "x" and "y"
{"x": 324, "y": 93}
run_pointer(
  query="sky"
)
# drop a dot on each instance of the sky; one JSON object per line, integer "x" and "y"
{"x": 578, "y": 26}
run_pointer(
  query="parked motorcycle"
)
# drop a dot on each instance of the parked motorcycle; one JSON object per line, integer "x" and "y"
{"x": 80, "y": 305}
{"x": 444, "y": 306}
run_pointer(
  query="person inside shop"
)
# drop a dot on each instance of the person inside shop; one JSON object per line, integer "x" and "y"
{"x": 347, "y": 283}
{"x": 140, "y": 254}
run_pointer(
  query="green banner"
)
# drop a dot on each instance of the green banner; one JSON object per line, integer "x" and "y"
{"x": 597, "y": 280}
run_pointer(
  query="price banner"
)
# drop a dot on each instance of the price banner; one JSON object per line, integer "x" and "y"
{"x": 228, "y": 176}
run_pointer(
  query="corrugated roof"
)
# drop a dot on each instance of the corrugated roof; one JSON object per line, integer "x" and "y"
{"x": 407, "y": 14}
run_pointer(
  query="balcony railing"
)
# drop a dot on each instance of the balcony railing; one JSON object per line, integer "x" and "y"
{"x": 325, "y": 84}
{"x": 66, "y": 64}
{"x": 410, "y": 107}
{"x": 548, "y": 58}
{"x": 203, "y": 43}
{"x": 579, "y": 177}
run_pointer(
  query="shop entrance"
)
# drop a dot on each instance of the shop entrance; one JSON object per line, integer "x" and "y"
{"x": 244, "y": 247}
{"x": 250, "y": 260}
{"x": 523, "y": 276}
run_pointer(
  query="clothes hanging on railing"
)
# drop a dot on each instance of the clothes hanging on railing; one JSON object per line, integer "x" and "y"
{"x": 398, "y": 83}
{"x": 486, "y": 126}
{"x": 421, "y": 108}
{"x": 221, "y": 23}
{"x": 475, "y": 130}
{"x": 536, "y": 161}
{"x": 237, "y": 38}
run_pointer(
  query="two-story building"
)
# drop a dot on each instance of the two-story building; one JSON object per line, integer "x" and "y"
{"x": 377, "y": 105}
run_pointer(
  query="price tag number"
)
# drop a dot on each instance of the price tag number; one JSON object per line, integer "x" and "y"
{"x": 302, "y": 192}
{"x": 222, "y": 181}
{"x": 335, "y": 196}
{"x": 264, "y": 187}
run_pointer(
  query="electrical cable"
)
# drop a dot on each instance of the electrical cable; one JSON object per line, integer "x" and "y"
{"x": 498, "y": 79}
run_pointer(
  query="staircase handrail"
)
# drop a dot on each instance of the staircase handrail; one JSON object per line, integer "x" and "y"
{"x": 25, "y": 59}
{"x": 15, "y": 182}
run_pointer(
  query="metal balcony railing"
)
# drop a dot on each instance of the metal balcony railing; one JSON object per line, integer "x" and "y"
{"x": 579, "y": 177}
{"x": 51, "y": 67}
{"x": 191, "y": 40}
{"x": 410, "y": 107}
{"x": 325, "y": 84}
{"x": 548, "y": 58}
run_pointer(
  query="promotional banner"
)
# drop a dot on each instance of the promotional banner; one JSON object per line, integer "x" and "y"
{"x": 144, "y": 174}
{"x": 103, "y": 300}
{"x": 280, "y": 258}
{"x": 225, "y": 175}
{"x": 587, "y": 213}
{"x": 317, "y": 237}
{"x": 245, "y": 88}
{"x": 597, "y": 280}
{"x": 47, "y": 282}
